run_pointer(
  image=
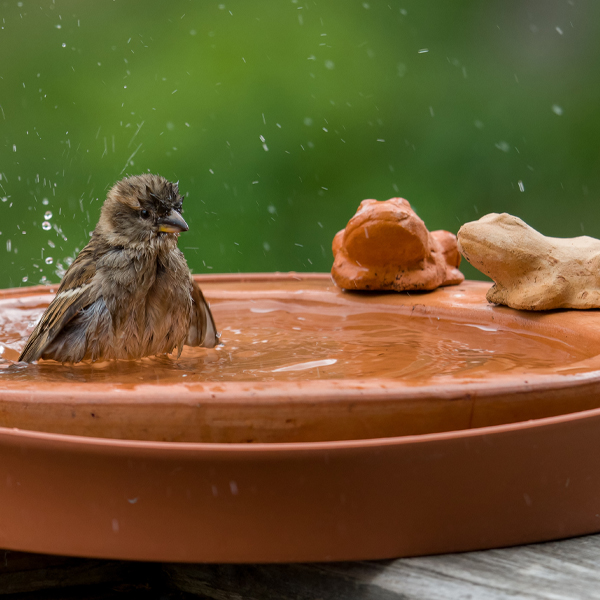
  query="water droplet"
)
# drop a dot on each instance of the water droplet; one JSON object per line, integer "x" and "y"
{"x": 45, "y": 201}
{"x": 521, "y": 186}
{"x": 24, "y": 280}
{"x": 47, "y": 215}
{"x": 49, "y": 260}
{"x": 557, "y": 110}
{"x": 64, "y": 45}
{"x": 46, "y": 226}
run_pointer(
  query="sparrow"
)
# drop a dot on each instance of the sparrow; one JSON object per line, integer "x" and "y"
{"x": 129, "y": 293}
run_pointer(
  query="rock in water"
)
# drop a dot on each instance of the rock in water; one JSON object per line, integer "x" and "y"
{"x": 386, "y": 246}
{"x": 532, "y": 271}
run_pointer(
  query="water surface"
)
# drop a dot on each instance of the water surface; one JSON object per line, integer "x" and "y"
{"x": 296, "y": 339}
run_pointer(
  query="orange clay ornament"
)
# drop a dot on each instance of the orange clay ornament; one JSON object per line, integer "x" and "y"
{"x": 386, "y": 246}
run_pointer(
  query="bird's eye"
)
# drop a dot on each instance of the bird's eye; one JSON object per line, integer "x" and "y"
{"x": 144, "y": 214}
{"x": 178, "y": 207}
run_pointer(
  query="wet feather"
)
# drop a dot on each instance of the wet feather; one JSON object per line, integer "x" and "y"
{"x": 129, "y": 293}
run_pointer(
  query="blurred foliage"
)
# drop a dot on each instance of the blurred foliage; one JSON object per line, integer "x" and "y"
{"x": 278, "y": 118}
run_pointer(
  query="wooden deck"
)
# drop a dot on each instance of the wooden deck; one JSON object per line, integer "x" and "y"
{"x": 562, "y": 570}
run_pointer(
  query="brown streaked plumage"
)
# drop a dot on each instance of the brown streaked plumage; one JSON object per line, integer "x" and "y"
{"x": 129, "y": 293}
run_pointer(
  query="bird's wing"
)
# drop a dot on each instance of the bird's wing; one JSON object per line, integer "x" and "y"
{"x": 203, "y": 331}
{"x": 74, "y": 294}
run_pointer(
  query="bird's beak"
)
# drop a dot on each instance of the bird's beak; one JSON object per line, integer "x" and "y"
{"x": 172, "y": 223}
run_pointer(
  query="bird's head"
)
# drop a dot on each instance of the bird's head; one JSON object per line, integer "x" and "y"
{"x": 142, "y": 209}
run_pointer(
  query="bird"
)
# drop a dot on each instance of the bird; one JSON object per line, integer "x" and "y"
{"x": 129, "y": 293}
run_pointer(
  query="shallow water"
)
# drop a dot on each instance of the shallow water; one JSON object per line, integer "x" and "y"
{"x": 298, "y": 339}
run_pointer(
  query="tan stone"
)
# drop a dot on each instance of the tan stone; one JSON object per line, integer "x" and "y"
{"x": 532, "y": 271}
{"x": 386, "y": 246}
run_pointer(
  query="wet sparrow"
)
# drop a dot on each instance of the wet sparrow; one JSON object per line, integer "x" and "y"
{"x": 129, "y": 293}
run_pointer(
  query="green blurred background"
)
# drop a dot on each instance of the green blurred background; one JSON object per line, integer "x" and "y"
{"x": 279, "y": 117}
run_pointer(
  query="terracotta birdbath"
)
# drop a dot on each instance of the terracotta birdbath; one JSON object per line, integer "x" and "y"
{"x": 303, "y": 361}
{"x": 327, "y": 426}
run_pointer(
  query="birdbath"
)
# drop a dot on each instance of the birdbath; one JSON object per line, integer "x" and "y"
{"x": 326, "y": 426}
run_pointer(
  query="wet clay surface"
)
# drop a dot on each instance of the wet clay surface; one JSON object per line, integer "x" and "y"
{"x": 301, "y": 359}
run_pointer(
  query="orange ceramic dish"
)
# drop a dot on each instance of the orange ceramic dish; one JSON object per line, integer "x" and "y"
{"x": 383, "y": 425}
{"x": 303, "y": 361}
{"x": 323, "y": 501}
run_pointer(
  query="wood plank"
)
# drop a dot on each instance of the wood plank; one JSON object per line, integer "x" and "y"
{"x": 22, "y": 572}
{"x": 566, "y": 570}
